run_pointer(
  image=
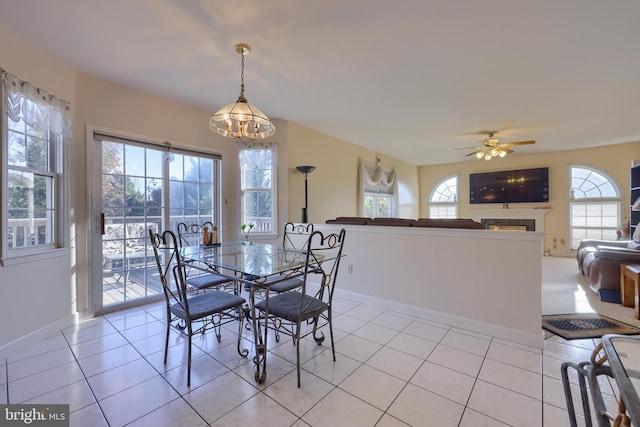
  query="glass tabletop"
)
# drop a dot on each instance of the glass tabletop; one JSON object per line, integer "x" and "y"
{"x": 623, "y": 353}
{"x": 246, "y": 257}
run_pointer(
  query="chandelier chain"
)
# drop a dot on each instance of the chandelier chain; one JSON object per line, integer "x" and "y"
{"x": 242, "y": 75}
{"x": 241, "y": 120}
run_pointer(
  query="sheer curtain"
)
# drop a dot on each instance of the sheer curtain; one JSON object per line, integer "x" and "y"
{"x": 376, "y": 179}
{"x": 38, "y": 108}
{"x": 39, "y": 126}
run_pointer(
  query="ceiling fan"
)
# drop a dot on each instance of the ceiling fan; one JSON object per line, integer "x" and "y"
{"x": 492, "y": 147}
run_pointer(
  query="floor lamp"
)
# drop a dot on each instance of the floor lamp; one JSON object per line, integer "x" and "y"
{"x": 306, "y": 170}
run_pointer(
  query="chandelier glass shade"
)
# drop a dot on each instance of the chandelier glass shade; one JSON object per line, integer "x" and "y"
{"x": 490, "y": 149}
{"x": 241, "y": 120}
{"x": 488, "y": 153}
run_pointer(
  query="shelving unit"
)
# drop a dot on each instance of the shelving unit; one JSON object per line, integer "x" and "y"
{"x": 635, "y": 194}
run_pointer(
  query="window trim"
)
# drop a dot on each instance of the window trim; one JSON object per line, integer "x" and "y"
{"x": 253, "y": 145}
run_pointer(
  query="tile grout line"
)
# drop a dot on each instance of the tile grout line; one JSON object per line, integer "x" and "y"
{"x": 84, "y": 376}
{"x": 6, "y": 373}
{"x": 154, "y": 368}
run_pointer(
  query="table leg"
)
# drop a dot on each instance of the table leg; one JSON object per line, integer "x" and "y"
{"x": 260, "y": 341}
{"x": 635, "y": 278}
{"x": 628, "y": 294}
{"x": 637, "y": 299}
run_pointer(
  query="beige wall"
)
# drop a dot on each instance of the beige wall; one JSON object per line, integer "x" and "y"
{"x": 36, "y": 294}
{"x": 613, "y": 160}
{"x": 333, "y": 186}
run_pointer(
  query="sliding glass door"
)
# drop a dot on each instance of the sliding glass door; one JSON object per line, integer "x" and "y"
{"x": 145, "y": 187}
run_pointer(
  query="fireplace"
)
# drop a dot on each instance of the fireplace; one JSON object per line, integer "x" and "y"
{"x": 510, "y": 224}
{"x": 511, "y": 219}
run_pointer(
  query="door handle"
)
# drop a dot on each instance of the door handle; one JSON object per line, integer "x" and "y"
{"x": 102, "y": 223}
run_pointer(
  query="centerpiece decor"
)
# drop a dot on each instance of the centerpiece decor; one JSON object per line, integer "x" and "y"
{"x": 246, "y": 229}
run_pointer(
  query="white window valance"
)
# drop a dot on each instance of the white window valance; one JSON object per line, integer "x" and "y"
{"x": 376, "y": 175}
{"x": 38, "y": 108}
{"x": 248, "y": 144}
{"x": 376, "y": 179}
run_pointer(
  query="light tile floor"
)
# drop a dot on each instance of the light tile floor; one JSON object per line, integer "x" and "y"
{"x": 391, "y": 370}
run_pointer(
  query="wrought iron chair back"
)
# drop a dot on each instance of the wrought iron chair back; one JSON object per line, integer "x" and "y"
{"x": 320, "y": 247}
{"x": 296, "y": 236}
{"x": 193, "y": 234}
{"x": 165, "y": 248}
{"x": 201, "y": 276}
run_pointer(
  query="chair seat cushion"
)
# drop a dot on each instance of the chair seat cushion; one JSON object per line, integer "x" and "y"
{"x": 276, "y": 283}
{"x": 207, "y": 280}
{"x": 284, "y": 284}
{"x": 287, "y": 306}
{"x": 208, "y": 303}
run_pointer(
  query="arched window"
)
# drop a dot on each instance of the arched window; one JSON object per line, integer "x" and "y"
{"x": 595, "y": 205}
{"x": 443, "y": 202}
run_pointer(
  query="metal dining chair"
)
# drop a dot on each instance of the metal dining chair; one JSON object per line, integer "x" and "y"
{"x": 286, "y": 311}
{"x": 192, "y": 235}
{"x": 207, "y": 310}
{"x": 295, "y": 238}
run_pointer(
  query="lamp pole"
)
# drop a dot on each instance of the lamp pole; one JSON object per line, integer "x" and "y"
{"x": 306, "y": 170}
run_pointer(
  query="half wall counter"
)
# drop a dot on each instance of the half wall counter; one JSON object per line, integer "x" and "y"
{"x": 483, "y": 281}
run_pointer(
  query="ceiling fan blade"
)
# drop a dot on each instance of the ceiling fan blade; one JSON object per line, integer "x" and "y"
{"x": 506, "y": 150}
{"x": 466, "y": 148}
{"x": 471, "y": 154}
{"x": 507, "y": 144}
{"x": 480, "y": 132}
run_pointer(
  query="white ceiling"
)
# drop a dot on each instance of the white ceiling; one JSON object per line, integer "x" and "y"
{"x": 413, "y": 79}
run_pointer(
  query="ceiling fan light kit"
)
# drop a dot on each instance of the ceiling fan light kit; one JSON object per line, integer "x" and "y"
{"x": 492, "y": 147}
{"x": 241, "y": 120}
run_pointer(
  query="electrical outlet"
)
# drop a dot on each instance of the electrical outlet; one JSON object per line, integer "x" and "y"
{"x": 563, "y": 241}
{"x": 555, "y": 246}
{"x": 555, "y": 240}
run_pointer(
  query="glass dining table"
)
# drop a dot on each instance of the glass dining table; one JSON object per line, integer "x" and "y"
{"x": 618, "y": 357}
{"x": 260, "y": 265}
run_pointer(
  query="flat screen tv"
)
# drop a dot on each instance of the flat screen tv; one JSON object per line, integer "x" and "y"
{"x": 513, "y": 186}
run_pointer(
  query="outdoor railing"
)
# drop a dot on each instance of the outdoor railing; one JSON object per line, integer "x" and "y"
{"x": 22, "y": 232}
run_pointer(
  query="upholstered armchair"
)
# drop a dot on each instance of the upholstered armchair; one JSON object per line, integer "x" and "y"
{"x": 599, "y": 261}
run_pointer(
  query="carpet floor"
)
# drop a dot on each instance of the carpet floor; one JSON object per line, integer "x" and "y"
{"x": 564, "y": 290}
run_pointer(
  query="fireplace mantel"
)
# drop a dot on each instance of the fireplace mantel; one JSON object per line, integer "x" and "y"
{"x": 515, "y": 213}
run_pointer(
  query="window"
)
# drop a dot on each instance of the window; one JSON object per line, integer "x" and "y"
{"x": 379, "y": 195}
{"x": 377, "y": 205}
{"x": 443, "y": 202}
{"x": 35, "y": 125}
{"x": 595, "y": 206}
{"x": 258, "y": 187}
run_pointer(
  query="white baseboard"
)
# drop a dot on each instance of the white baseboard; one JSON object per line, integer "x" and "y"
{"x": 513, "y": 335}
{"x": 23, "y": 343}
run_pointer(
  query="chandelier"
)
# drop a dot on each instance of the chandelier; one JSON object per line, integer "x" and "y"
{"x": 491, "y": 148}
{"x": 241, "y": 120}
